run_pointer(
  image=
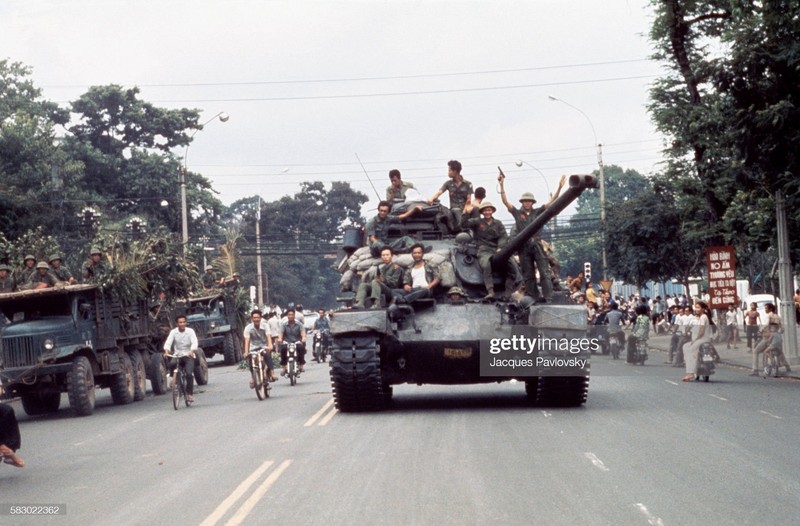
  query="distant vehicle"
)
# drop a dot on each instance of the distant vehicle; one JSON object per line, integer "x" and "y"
{"x": 310, "y": 319}
{"x": 760, "y": 300}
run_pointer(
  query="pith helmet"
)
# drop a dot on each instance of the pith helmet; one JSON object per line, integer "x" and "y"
{"x": 95, "y": 250}
{"x": 54, "y": 257}
{"x": 42, "y": 264}
{"x": 485, "y": 205}
{"x": 5, "y": 267}
{"x": 29, "y": 256}
{"x": 455, "y": 290}
{"x": 527, "y": 196}
{"x": 209, "y": 267}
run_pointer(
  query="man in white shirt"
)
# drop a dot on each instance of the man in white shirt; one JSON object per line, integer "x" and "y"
{"x": 182, "y": 341}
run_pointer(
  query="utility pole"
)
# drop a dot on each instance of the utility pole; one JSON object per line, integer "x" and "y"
{"x": 260, "y": 285}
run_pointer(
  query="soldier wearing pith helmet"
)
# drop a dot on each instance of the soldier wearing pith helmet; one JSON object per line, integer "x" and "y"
{"x": 60, "y": 271}
{"x": 7, "y": 281}
{"x": 531, "y": 255}
{"x": 28, "y": 269}
{"x": 94, "y": 267}
{"x": 490, "y": 236}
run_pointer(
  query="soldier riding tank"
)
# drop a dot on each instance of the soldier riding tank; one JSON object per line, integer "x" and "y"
{"x": 436, "y": 341}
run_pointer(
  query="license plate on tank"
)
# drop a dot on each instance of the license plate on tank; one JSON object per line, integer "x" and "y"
{"x": 457, "y": 353}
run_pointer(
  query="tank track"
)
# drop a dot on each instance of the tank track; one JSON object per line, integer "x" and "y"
{"x": 355, "y": 369}
{"x": 558, "y": 391}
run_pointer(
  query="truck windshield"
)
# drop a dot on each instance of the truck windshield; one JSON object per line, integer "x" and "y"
{"x": 36, "y": 308}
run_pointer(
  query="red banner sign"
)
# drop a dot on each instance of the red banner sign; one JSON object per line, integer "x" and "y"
{"x": 721, "y": 266}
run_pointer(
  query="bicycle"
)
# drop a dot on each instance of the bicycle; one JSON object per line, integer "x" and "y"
{"x": 258, "y": 371}
{"x": 179, "y": 382}
{"x": 772, "y": 361}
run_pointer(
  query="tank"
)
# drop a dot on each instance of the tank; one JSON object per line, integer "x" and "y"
{"x": 467, "y": 341}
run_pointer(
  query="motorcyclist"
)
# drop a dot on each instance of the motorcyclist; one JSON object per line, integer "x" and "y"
{"x": 323, "y": 327}
{"x": 292, "y": 332}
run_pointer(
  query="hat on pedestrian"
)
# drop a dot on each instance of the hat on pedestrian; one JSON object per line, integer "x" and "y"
{"x": 42, "y": 264}
{"x": 54, "y": 257}
{"x": 29, "y": 256}
{"x": 487, "y": 204}
{"x": 527, "y": 196}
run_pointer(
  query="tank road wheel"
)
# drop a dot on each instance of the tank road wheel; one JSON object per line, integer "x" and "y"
{"x": 80, "y": 387}
{"x": 200, "y": 368}
{"x": 562, "y": 391}
{"x": 122, "y": 388}
{"x": 356, "y": 376}
{"x": 229, "y": 350}
{"x": 139, "y": 376}
{"x": 39, "y": 403}
{"x": 158, "y": 373}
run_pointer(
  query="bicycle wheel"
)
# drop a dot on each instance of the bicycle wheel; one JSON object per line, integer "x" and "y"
{"x": 265, "y": 380}
{"x": 184, "y": 383}
{"x": 770, "y": 365}
{"x": 258, "y": 378}
{"x": 176, "y": 390}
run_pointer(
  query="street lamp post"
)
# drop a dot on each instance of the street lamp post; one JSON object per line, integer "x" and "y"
{"x": 223, "y": 117}
{"x": 602, "y": 181}
{"x": 316, "y": 203}
{"x": 519, "y": 164}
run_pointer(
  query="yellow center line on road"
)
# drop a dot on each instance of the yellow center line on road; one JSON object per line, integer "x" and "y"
{"x": 328, "y": 417}
{"x": 310, "y": 421}
{"x": 249, "y": 504}
{"x": 226, "y": 504}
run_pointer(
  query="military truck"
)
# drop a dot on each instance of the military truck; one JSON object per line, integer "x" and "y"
{"x": 73, "y": 339}
{"x": 442, "y": 341}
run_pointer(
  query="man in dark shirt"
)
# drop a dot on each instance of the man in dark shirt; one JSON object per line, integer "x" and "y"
{"x": 389, "y": 277}
{"x": 460, "y": 192}
{"x": 292, "y": 332}
{"x": 378, "y": 229}
{"x": 490, "y": 236}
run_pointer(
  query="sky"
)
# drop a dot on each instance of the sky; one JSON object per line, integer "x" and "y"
{"x": 347, "y": 90}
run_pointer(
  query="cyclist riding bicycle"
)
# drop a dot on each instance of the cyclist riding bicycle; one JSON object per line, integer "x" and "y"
{"x": 182, "y": 341}
{"x": 292, "y": 332}
{"x": 257, "y": 336}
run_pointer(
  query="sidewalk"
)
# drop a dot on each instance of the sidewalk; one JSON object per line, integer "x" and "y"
{"x": 737, "y": 357}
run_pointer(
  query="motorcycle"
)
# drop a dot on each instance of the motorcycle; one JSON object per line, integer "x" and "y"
{"x": 292, "y": 367}
{"x": 637, "y": 351}
{"x": 321, "y": 345}
{"x": 615, "y": 340}
{"x": 705, "y": 361}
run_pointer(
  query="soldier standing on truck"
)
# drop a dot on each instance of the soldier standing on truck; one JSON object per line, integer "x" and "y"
{"x": 61, "y": 272}
{"x": 7, "y": 281}
{"x": 28, "y": 269}
{"x": 94, "y": 268}
{"x": 42, "y": 278}
{"x": 209, "y": 279}
{"x": 257, "y": 335}
{"x": 184, "y": 341}
{"x": 532, "y": 256}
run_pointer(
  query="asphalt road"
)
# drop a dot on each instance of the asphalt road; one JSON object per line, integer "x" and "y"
{"x": 646, "y": 449}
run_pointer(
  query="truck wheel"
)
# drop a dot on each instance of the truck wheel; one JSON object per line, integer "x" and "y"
{"x": 200, "y": 368}
{"x": 158, "y": 373}
{"x": 80, "y": 387}
{"x": 229, "y": 350}
{"x": 39, "y": 403}
{"x": 122, "y": 388}
{"x": 139, "y": 376}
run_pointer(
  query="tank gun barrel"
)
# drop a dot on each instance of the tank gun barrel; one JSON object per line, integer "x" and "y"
{"x": 576, "y": 185}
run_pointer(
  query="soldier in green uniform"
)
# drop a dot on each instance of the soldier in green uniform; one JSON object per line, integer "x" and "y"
{"x": 60, "y": 271}
{"x": 396, "y": 191}
{"x": 94, "y": 268}
{"x": 532, "y": 255}
{"x": 42, "y": 278}
{"x": 390, "y": 276}
{"x": 27, "y": 270}
{"x": 456, "y": 295}
{"x": 460, "y": 192}
{"x": 378, "y": 229}
{"x": 490, "y": 236}
{"x": 7, "y": 281}
{"x": 209, "y": 279}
